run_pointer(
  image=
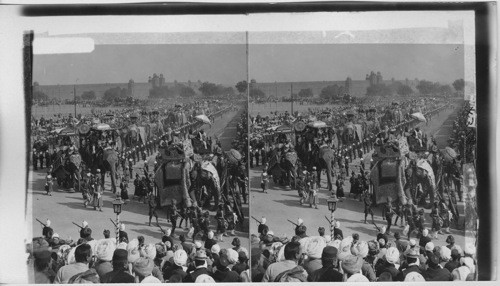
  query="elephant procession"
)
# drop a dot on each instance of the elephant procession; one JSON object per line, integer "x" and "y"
{"x": 379, "y": 150}
{"x": 180, "y": 170}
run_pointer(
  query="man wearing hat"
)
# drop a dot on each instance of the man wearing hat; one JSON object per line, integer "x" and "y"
{"x": 200, "y": 263}
{"x": 434, "y": 271}
{"x": 328, "y": 271}
{"x": 412, "y": 264}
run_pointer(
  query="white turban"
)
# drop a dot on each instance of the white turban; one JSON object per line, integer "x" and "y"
{"x": 105, "y": 249}
{"x": 429, "y": 246}
{"x": 392, "y": 255}
{"x": 469, "y": 262}
{"x": 215, "y": 248}
{"x": 460, "y": 273}
{"x": 470, "y": 249}
{"x": 232, "y": 256}
{"x": 445, "y": 253}
{"x": 148, "y": 251}
{"x": 180, "y": 257}
{"x": 313, "y": 246}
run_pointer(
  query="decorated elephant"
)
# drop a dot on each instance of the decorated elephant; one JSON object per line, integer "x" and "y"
{"x": 352, "y": 133}
{"x": 66, "y": 169}
{"x": 324, "y": 157}
{"x": 283, "y": 167}
{"x": 104, "y": 160}
{"x": 208, "y": 184}
{"x": 132, "y": 135}
{"x": 419, "y": 172}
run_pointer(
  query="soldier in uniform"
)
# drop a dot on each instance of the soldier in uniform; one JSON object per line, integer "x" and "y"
{"x": 368, "y": 201}
{"x": 242, "y": 183}
{"x": 230, "y": 217}
{"x": 205, "y": 223}
{"x": 264, "y": 179}
{"x": 173, "y": 216}
{"x": 138, "y": 186}
{"x": 153, "y": 205}
{"x": 388, "y": 213}
{"x": 130, "y": 166}
{"x": 221, "y": 223}
{"x": 49, "y": 183}
{"x": 193, "y": 218}
{"x": 313, "y": 177}
{"x": 339, "y": 183}
{"x": 437, "y": 221}
{"x": 123, "y": 188}
{"x": 419, "y": 220}
{"x": 98, "y": 192}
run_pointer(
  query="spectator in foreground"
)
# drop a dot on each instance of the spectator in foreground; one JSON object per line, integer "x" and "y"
{"x": 328, "y": 271}
{"x": 120, "y": 273}
{"x": 292, "y": 256}
{"x": 83, "y": 254}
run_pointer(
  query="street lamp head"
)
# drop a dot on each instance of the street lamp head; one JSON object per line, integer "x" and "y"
{"x": 117, "y": 205}
{"x": 332, "y": 204}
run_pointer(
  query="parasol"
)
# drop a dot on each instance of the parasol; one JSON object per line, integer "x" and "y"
{"x": 419, "y": 116}
{"x": 203, "y": 118}
{"x": 317, "y": 124}
{"x": 102, "y": 126}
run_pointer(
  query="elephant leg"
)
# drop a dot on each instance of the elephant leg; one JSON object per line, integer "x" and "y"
{"x": 216, "y": 194}
{"x": 294, "y": 175}
{"x": 103, "y": 176}
{"x": 329, "y": 176}
{"x": 113, "y": 177}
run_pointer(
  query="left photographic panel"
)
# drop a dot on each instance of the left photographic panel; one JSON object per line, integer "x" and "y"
{"x": 137, "y": 161}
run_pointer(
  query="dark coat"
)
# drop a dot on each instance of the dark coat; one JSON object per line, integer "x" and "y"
{"x": 191, "y": 277}
{"x": 325, "y": 274}
{"x": 412, "y": 268}
{"x": 437, "y": 274}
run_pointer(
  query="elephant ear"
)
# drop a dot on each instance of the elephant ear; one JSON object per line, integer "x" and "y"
{"x": 76, "y": 159}
{"x": 291, "y": 157}
{"x": 326, "y": 154}
{"x": 110, "y": 155}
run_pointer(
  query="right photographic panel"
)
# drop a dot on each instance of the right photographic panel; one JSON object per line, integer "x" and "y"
{"x": 363, "y": 150}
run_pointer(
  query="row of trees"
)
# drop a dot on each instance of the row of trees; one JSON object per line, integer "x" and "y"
{"x": 170, "y": 92}
{"x": 209, "y": 89}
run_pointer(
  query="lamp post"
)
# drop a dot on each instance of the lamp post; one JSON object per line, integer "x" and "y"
{"x": 332, "y": 206}
{"x": 117, "y": 209}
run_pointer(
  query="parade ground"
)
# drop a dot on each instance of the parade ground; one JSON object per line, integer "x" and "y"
{"x": 281, "y": 203}
{"x": 63, "y": 208}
